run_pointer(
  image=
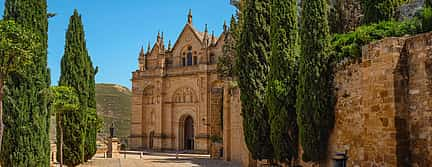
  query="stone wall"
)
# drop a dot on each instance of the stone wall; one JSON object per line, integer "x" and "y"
{"x": 384, "y": 104}
{"x": 235, "y": 149}
{"x": 419, "y": 52}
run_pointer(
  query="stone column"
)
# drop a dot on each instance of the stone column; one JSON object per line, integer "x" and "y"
{"x": 110, "y": 148}
{"x": 227, "y": 123}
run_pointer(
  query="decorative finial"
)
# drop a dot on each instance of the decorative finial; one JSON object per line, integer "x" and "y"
{"x": 190, "y": 16}
{"x": 158, "y": 36}
{"x": 142, "y": 51}
{"x": 148, "y": 47}
{"x": 205, "y": 38}
{"x": 169, "y": 45}
{"x": 212, "y": 37}
{"x": 161, "y": 42}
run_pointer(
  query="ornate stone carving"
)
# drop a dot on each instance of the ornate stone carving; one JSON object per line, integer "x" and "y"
{"x": 148, "y": 95}
{"x": 184, "y": 95}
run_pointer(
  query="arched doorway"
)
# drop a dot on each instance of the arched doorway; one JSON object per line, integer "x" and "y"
{"x": 189, "y": 136}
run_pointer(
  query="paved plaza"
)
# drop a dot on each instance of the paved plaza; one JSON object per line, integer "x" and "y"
{"x": 160, "y": 160}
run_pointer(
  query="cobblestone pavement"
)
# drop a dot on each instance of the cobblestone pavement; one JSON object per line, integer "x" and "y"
{"x": 157, "y": 161}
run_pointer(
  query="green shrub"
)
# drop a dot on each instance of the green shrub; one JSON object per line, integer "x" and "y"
{"x": 425, "y": 16}
{"x": 349, "y": 45}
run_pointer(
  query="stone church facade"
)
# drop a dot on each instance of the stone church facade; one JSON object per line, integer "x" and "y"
{"x": 177, "y": 101}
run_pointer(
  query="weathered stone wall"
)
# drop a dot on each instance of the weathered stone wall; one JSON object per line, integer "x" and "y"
{"x": 235, "y": 149}
{"x": 419, "y": 53}
{"x": 365, "y": 108}
{"x": 384, "y": 105}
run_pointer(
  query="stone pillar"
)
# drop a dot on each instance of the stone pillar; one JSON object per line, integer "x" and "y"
{"x": 110, "y": 148}
{"x": 227, "y": 122}
{"x": 157, "y": 141}
{"x": 137, "y": 113}
{"x": 115, "y": 147}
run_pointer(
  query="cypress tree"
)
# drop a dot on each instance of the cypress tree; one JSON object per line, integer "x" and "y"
{"x": 281, "y": 89}
{"x": 314, "y": 92}
{"x": 77, "y": 71}
{"x": 26, "y": 116}
{"x": 252, "y": 68}
{"x": 226, "y": 62}
{"x": 92, "y": 118}
{"x": 16, "y": 48}
{"x": 91, "y": 133}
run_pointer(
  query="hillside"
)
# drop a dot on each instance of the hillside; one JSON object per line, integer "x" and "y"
{"x": 113, "y": 105}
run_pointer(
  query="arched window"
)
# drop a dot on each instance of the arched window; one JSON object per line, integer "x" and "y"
{"x": 212, "y": 58}
{"x": 189, "y": 56}
{"x": 183, "y": 61}
{"x": 195, "y": 60}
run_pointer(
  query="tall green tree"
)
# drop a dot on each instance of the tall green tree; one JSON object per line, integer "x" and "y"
{"x": 70, "y": 139}
{"x": 314, "y": 103}
{"x": 226, "y": 62}
{"x": 428, "y": 3}
{"x": 77, "y": 71}
{"x": 282, "y": 80}
{"x": 26, "y": 116}
{"x": 379, "y": 10}
{"x": 91, "y": 134}
{"x": 93, "y": 122}
{"x": 16, "y": 51}
{"x": 252, "y": 68}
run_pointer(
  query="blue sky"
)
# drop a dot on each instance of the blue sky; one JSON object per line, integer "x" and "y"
{"x": 116, "y": 29}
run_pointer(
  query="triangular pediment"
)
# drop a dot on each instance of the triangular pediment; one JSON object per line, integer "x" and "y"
{"x": 155, "y": 50}
{"x": 189, "y": 34}
{"x": 221, "y": 39}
